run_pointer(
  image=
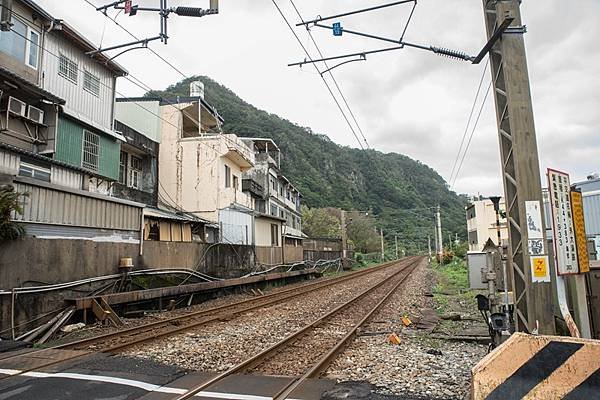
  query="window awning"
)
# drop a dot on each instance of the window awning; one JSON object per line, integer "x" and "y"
{"x": 26, "y": 86}
{"x": 80, "y": 117}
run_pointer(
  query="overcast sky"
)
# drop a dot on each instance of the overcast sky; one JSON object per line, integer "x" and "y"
{"x": 409, "y": 101}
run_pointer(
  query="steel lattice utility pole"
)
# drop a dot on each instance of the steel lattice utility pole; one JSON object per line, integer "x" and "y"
{"x": 520, "y": 164}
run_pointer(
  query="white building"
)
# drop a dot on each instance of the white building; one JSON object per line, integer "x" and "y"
{"x": 481, "y": 223}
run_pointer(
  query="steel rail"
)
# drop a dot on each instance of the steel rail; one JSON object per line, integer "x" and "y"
{"x": 251, "y": 362}
{"x": 323, "y": 363}
{"x": 271, "y": 299}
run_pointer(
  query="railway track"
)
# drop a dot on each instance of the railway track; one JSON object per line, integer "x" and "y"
{"x": 120, "y": 340}
{"x": 318, "y": 342}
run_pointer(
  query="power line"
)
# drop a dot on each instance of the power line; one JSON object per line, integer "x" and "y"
{"x": 462, "y": 142}
{"x": 472, "y": 133}
{"x": 332, "y": 77}
{"x": 322, "y": 78}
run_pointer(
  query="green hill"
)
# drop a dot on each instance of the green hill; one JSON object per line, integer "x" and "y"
{"x": 330, "y": 175}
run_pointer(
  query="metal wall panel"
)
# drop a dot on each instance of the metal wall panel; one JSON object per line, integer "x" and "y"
{"x": 66, "y": 177}
{"x": 96, "y": 110}
{"x": 236, "y": 227}
{"x": 44, "y": 231}
{"x": 9, "y": 162}
{"x": 591, "y": 212}
{"x": 141, "y": 116}
{"x": 69, "y": 142}
{"x": 54, "y": 206}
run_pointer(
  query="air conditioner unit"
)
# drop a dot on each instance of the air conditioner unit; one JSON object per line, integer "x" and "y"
{"x": 16, "y": 106}
{"x": 35, "y": 114}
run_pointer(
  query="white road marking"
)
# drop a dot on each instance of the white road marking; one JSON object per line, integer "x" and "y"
{"x": 149, "y": 387}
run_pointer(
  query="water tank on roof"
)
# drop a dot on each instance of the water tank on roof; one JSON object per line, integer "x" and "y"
{"x": 197, "y": 89}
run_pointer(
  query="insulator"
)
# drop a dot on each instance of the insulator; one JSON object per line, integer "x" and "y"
{"x": 191, "y": 11}
{"x": 451, "y": 53}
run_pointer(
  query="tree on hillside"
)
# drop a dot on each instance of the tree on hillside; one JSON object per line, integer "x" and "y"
{"x": 362, "y": 232}
{"x": 318, "y": 222}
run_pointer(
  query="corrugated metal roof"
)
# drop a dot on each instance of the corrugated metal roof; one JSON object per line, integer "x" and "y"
{"x": 30, "y": 87}
{"x": 175, "y": 216}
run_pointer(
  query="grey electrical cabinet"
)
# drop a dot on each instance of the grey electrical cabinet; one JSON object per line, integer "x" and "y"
{"x": 475, "y": 262}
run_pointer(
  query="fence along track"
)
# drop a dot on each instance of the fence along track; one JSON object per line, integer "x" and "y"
{"x": 324, "y": 359}
{"x": 120, "y": 340}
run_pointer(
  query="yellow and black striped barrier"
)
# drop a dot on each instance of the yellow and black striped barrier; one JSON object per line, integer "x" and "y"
{"x": 539, "y": 368}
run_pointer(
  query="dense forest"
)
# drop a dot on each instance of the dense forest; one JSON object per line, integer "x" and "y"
{"x": 398, "y": 190}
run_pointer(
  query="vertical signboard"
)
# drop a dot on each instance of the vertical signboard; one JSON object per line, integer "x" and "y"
{"x": 536, "y": 245}
{"x": 580, "y": 236}
{"x": 565, "y": 251}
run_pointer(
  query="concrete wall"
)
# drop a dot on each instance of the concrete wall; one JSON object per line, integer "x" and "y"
{"x": 273, "y": 255}
{"x": 34, "y": 262}
{"x": 263, "y": 231}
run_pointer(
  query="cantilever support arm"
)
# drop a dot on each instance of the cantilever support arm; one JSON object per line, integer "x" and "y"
{"x": 493, "y": 39}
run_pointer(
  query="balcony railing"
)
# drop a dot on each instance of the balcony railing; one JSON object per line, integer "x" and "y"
{"x": 254, "y": 188}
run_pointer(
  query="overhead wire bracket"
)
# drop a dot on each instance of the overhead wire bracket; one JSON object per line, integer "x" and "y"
{"x": 163, "y": 10}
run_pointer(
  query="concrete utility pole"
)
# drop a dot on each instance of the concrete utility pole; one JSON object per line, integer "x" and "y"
{"x": 396, "y": 243}
{"x": 520, "y": 164}
{"x": 429, "y": 245}
{"x": 438, "y": 233}
{"x": 344, "y": 238}
{"x": 382, "y": 247}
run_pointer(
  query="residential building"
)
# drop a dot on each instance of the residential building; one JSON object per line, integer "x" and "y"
{"x": 276, "y": 201}
{"x": 84, "y": 128}
{"x": 56, "y": 138}
{"x": 139, "y": 121}
{"x": 481, "y": 223}
{"x": 201, "y": 168}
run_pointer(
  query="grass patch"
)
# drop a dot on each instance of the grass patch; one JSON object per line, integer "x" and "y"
{"x": 452, "y": 282}
{"x": 453, "y": 278}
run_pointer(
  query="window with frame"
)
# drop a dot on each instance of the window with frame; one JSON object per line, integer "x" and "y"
{"x": 135, "y": 172}
{"x": 91, "y": 151}
{"x": 123, "y": 168}
{"x": 67, "y": 68}
{"x": 274, "y": 235}
{"x": 32, "y": 50}
{"x": 35, "y": 169}
{"x": 235, "y": 182}
{"x": 274, "y": 210}
{"x": 227, "y": 176}
{"x": 91, "y": 83}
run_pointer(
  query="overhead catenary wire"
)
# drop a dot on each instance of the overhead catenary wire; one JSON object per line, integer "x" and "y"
{"x": 332, "y": 77}
{"x": 464, "y": 136}
{"x": 472, "y": 133}
{"x": 322, "y": 77}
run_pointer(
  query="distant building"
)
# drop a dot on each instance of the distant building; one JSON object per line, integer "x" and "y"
{"x": 481, "y": 223}
{"x": 278, "y": 220}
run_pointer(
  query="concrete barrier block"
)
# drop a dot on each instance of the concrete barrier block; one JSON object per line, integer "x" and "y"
{"x": 539, "y": 367}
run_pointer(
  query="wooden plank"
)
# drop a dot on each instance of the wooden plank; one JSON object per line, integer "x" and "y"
{"x": 63, "y": 319}
{"x": 149, "y": 294}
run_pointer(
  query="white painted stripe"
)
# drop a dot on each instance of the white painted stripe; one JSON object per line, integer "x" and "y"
{"x": 149, "y": 387}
